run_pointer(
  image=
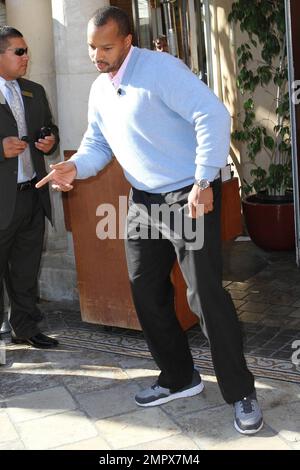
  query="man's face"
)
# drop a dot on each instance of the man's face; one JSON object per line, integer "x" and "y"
{"x": 107, "y": 47}
{"x": 13, "y": 66}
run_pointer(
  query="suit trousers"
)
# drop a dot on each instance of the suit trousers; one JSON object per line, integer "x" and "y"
{"x": 21, "y": 246}
{"x": 151, "y": 251}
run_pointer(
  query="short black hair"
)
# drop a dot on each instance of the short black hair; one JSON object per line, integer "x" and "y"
{"x": 6, "y": 33}
{"x": 106, "y": 14}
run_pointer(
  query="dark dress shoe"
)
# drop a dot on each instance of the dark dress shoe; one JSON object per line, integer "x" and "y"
{"x": 38, "y": 341}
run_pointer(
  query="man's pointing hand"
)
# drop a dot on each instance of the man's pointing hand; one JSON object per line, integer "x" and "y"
{"x": 61, "y": 176}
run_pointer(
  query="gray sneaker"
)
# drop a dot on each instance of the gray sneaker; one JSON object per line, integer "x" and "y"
{"x": 157, "y": 395}
{"x": 248, "y": 418}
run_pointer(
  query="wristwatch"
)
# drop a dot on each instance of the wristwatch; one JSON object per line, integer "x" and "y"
{"x": 203, "y": 184}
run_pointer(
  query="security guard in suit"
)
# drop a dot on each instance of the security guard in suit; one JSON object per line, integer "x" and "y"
{"x": 24, "y": 109}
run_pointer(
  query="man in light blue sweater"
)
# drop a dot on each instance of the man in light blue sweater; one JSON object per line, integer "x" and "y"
{"x": 171, "y": 135}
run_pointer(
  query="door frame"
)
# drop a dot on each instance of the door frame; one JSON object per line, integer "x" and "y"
{"x": 292, "y": 11}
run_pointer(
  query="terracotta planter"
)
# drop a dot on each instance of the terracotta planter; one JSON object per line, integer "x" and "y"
{"x": 270, "y": 225}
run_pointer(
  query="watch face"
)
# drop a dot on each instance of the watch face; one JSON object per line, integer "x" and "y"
{"x": 203, "y": 184}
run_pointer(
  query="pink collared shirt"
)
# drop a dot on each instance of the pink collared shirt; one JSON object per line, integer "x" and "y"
{"x": 117, "y": 79}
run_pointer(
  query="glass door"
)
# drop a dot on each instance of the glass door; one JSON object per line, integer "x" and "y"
{"x": 292, "y": 10}
{"x": 180, "y": 27}
{"x": 142, "y": 23}
{"x": 2, "y": 14}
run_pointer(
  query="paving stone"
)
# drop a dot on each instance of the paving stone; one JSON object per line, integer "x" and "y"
{"x": 260, "y": 286}
{"x": 139, "y": 369}
{"x": 238, "y": 303}
{"x": 53, "y": 431}
{"x": 28, "y": 379}
{"x": 286, "y": 355}
{"x": 272, "y": 393}
{"x": 264, "y": 352}
{"x": 240, "y": 285}
{"x": 254, "y": 307}
{"x": 12, "y": 445}
{"x": 295, "y": 324}
{"x": 129, "y": 364}
{"x": 262, "y": 441}
{"x": 294, "y": 445}
{"x": 250, "y": 317}
{"x": 135, "y": 428}
{"x": 213, "y": 430}
{"x": 110, "y": 402}
{"x": 295, "y": 313}
{"x": 7, "y": 429}
{"x": 279, "y": 310}
{"x": 209, "y": 398}
{"x": 237, "y": 294}
{"x": 256, "y": 297}
{"x": 281, "y": 299}
{"x": 97, "y": 443}
{"x": 144, "y": 378}
{"x": 39, "y": 404}
{"x": 273, "y": 320}
{"x": 176, "y": 442}
{"x": 226, "y": 283}
{"x": 70, "y": 358}
{"x": 89, "y": 381}
{"x": 285, "y": 420}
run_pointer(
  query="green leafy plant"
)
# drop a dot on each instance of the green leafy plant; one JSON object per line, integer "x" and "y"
{"x": 264, "y": 22}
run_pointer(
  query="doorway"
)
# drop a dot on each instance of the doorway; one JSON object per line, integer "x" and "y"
{"x": 292, "y": 8}
{"x": 185, "y": 25}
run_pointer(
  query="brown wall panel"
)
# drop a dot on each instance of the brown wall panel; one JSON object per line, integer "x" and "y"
{"x": 103, "y": 284}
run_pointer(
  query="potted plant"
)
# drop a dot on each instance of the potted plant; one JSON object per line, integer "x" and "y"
{"x": 262, "y": 61}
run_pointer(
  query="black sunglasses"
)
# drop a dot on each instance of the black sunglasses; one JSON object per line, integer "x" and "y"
{"x": 19, "y": 50}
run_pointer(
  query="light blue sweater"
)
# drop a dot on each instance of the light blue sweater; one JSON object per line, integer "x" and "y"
{"x": 166, "y": 127}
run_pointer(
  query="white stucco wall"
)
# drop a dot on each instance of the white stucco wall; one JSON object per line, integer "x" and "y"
{"x": 74, "y": 70}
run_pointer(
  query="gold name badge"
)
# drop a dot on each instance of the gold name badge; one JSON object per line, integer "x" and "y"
{"x": 27, "y": 93}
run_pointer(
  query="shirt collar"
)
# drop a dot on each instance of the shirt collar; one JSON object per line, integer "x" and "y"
{"x": 117, "y": 79}
{"x": 3, "y": 82}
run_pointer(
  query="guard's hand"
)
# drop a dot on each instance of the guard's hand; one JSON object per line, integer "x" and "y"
{"x": 200, "y": 201}
{"x": 13, "y": 146}
{"x": 61, "y": 176}
{"x": 45, "y": 145}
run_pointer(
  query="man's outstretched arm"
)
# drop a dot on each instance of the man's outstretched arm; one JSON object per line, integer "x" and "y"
{"x": 61, "y": 176}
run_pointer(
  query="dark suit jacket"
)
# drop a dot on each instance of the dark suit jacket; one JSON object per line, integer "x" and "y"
{"x": 38, "y": 114}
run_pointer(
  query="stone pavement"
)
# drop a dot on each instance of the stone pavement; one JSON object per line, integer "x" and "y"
{"x": 74, "y": 398}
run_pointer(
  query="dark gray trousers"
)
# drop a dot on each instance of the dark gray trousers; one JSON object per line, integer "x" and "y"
{"x": 150, "y": 262}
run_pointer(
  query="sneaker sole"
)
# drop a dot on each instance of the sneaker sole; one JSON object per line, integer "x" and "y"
{"x": 247, "y": 431}
{"x": 191, "y": 392}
